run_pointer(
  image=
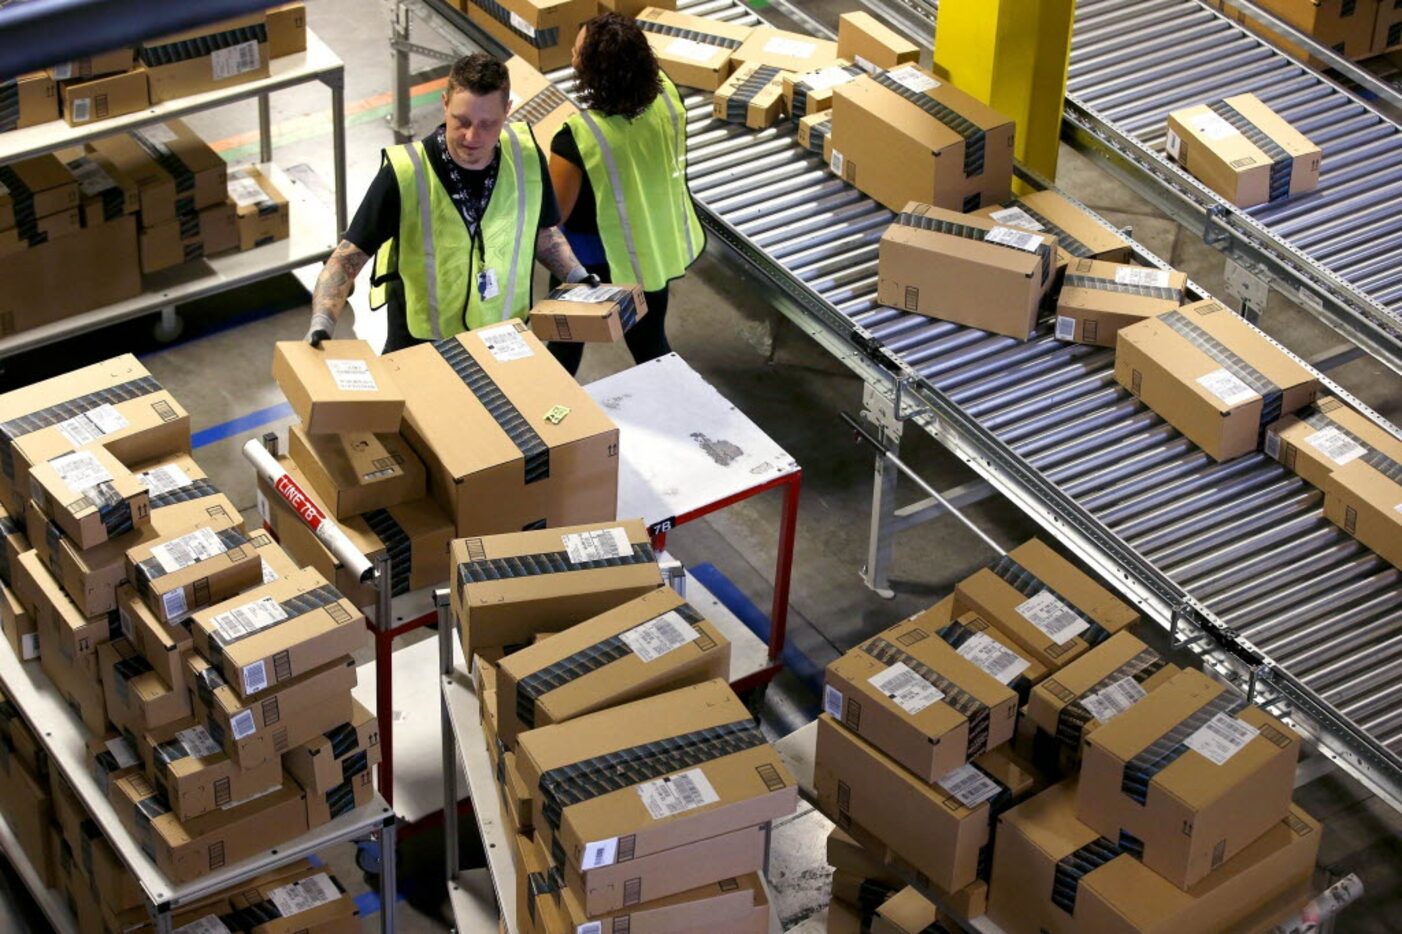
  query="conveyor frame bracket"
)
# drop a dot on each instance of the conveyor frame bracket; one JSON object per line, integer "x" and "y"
{"x": 1215, "y": 230}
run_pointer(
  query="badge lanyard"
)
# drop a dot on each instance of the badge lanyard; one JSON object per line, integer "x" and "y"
{"x": 472, "y": 210}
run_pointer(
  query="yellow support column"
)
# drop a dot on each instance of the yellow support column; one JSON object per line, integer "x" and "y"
{"x": 1012, "y": 55}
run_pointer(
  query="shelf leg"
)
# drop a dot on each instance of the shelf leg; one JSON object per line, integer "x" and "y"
{"x": 338, "y": 145}
{"x": 389, "y": 875}
{"x": 265, "y": 130}
{"x": 783, "y": 571}
{"x": 168, "y": 325}
{"x": 399, "y": 35}
{"x": 450, "y": 746}
{"x": 384, "y": 674}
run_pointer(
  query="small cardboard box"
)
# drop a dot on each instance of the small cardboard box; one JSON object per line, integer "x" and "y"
{"x": 1097, "y": 299}
{"x": 102, "y": 98}
{"x": 14, "y": 544}
{"x": 19, "y": 627}
{"x": 986, "y": 646}
{"x": 36, "y": 101}
{"x": 727, "y": 905}
{"x": 576, "y": 573}
{"x": 694, "y": 51}
{"x": 891, "y": 140}
{"x": 186, "y": 850}
{"x": 1003, "y": 273}
{"x": 540, "y": 31}
{"x": 77, "y": 678}
{"x": 277, "y": 631}
{"x": 325, "y": 806}
{"x": 138, "y": 700}
{"x": 919, "y": 701}
{"x": 906, "y": 912}
{"x": 863, "y": 39}
{"x": 338, "y": 387}
{"x": 733, "y": 781}
{"x": 92, "y": 66}
{"x": 357, "y": 472}
{"x": 537, "y": 101}
{"x": 142, "y": 157}
{"x": 787, "y": 51}
{"x": 597, "y": 314}
{"x": 1364, "y": 498}
{"x": 261, "y": 210}
{"x": 208, "y": 58}
{"x": 651, "y": 644}
{"x": 195, "y": 775}
{"x": 191, "y": 236}
{"x": 34, "y": 188}
{"x": 163, "y": 646}
{"x": 1191, "y": 773}
{"x": 810, "y": 92}
{"x": 814, "y": 133}
{"x": 90, "y": 495}
{"x": 193, "y": 568}
{"x": 1212, "y": 376}
{"x": 1078, "y": 234}
{"x": 43, "y": 597}
{"x": 753, "y": 95}
{"x": 337, "y": 755}
{"x": 1051, "y": 873}
{"x": 1050, "y": 608}
{"x": 1243, "y": 150}
{"x": 287, "y": 29}
{"x": 1325, "y": 437}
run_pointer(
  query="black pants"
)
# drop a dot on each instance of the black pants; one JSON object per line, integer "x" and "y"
{"x": 646, "y": 340}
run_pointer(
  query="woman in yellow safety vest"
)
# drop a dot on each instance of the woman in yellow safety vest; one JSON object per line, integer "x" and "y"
{"x": 619, "y": 172}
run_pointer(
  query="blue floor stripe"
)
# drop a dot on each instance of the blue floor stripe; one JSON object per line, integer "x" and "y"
{"x": 237, "y": 426}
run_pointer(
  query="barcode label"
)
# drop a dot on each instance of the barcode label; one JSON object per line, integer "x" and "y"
{"x": 1221, "y": 738}
{"x": 590, "y": 927}
{"x": 28, "y": 646}
{"x": 1109, "y": 702}
{"x": 122, "y": 752}
{"x": 969, "y": 785}
{"x": 826, "y": 78}
{"x": 1211, "y": 127}
{"x": 352, "y": 375}
{"x": 520, "y": 23}
{"x": 247, "y": 619}
{"x": 245, "y": 191}
{"x": 912, "y": 79}
{"x": 164, "y": 479}
{"x": 92, "y": 179}
{"x": 676, "y": 794}
{"x": 993, "y": 657}
{"x": 80, "y": 471}
{"x": 1016, "y": 217}
{"x": 832, "y": 701}
{"x": 505, "y": 343}
{"x": 1173, "y": 145}
{"x": 837, "y": 163}
{"x": 81, "y": 111}
{"x": 1152, "y": 278}
{"x": 269, "y": 575}
{"x": 1017, "y": 239}
{"x": 1335, "y": 445}
{"x": 793, "y": 48}
{"x": 235, "y": 60}
{"x": 588, "y": 294}
{"x": 304, "y": 894}
{"x": 255, "y": 677}
{"x": 1227, "y": 387}
{"x": 1065, "y": 328}
{"x": 242, "y": 724}
{"x": 1048, "y": 613}
{"x": 92, "y": 424}
{"x": 599, "y": 854}
{"x": 690, "y": 49}
{"x": 209, "y": 924}
{"x": 905, "y": 688}
{"x": 174, "y": 605}
{"x": 596, "y": 545}
{"x": 199, "y": 545}
{"x": 1273, "y": 444}
{"x": 657, "y": 637}
{"x": 198, "y": 742}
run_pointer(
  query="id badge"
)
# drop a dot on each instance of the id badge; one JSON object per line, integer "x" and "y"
{"x": 487, "y": 286}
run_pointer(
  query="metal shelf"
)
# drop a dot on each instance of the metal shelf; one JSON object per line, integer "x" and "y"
{"x": 51, "y": 903}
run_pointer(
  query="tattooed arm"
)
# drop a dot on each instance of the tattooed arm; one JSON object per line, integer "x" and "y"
{"x": 333, "y": 287}
{"x": 553, "y": 252}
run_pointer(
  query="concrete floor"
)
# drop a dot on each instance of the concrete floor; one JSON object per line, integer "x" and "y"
{"x": 724, "y": 324}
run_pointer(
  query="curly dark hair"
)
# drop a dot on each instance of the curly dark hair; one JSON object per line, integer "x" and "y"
{"x": 618, "y": 74}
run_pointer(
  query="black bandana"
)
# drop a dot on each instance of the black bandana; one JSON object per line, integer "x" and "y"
{"x": 472, "y": 208}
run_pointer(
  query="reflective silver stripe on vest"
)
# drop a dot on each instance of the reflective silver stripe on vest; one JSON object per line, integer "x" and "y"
{"x": 681, "y": 167}
{"x": 612, "y": 166}
{"x": 520, "y": 169}
{"x": 426, "y": 222}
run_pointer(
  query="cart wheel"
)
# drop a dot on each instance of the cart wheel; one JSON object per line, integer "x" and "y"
{"x": 367, "y": 856}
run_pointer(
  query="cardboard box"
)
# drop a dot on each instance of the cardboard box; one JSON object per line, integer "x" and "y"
{"x": 357, "y": 472}
{"x": 986, "y": 646}
{"x": 97, "y": 99}
{"x": 277, "y": 631}
{"x": 175, "y": 172}
{"x": 1188, "y": 777}
{"x": 287, "y": 29}
{"x": 599, "y": 314}
{"x": 279, "y": 720}
{"x": 207, "y": 232}
{"x": 338, "y": 755}
{"x": 906, "y": 912}
{"x": 138, "y": 700}
{"x": 208, "y": 58}
{"x": 1050, "y": 608}
{"x": 1243, "y": 150}
{"x": 890, "y": 139}
{"x": 37, "y": 285}
{"x": 1212, "y": 376}
{"x": 631, "y": 8}
{"x": 537, "y": 101}
{"x": 35, "y": 187}
{"x": 92, "y": 66}
{"x": 1078, "y": 234}
{"x": 102, "y": 871}
{"x": 540, "y": 31}
{"x": 1345, "y": 27}
{"x": 262, "y": 211}
{"x": 1387, "y": 31}
{"x": 40, "y": 231}
{"x": 77, "y": 678}
{"x": 325, "y": 806}
{"x": 919, "y": 700}
{"x": 654, "y": 643}
{"x": 728, "y": 905}
{"x": 24, "y": 801}
{"x": 863, "y": 39}
{"x": 787, "y": 51}
{"x": 1324, "y": 437}
{"x": 337, "y": 387}
{"x": 1098, "y": 299}
{"x": 186, "y": 850}
{"x": 732, "y": 781}
{"x": 163, "y": 646}
{"x": 814, "y": 133}
{"x": 1003, "y": 273}
{"x": 532, "y": 449}
{"x": 575, "y": 573}
{"x": 105, "y": 193}
{"x": 1364, "y": 498}
{"x": 810, "y": 92}
{"x": 112, "y": 756}
{"x": 753, "y": 95}
{"x": 194, "y": 774}
{"x": 191, "y": 569}
{"x": 36, "y": 100}
{"x": 18, "y": 625}
{"x": 1051, "y": 873}
{"x": 13, "y": 545}
{"x": 75, "y": 634}
{"x": 846, "y": 854}
{"x": 694, "y": 51}
{"x": 90, "y": 495}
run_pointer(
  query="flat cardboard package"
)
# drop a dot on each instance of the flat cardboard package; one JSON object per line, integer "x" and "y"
{"x": 1097, "y": 687}
{"x": 163, "y": 646}
{"x": 894, "y": 138}
{"x": 814, "y": 133}
{"x": 287, "y": 29}
{"x": 277, "y": 631}
{"x": 572, "y": 574}
{"x": 1364, "y": 498}
{"x": 919, "y": 701}
{"x": 37, "y": 285}
{"x": 102, "y": 98}
{"x": 186, "y": 850}
{"x": 138, "y": 700}
{"x": 1003, "y": 273}
{"x": 1212, "y": 376}
{"x": 540, "y": 31}
{"x": 195, "y": 775}
{"x": 1078, "y": 234}
{"x": 1053, "y": 611}
{"x": 261, "y": 210}
{"x": 192, "y": 568}
{"x": 510, "y": 440}
{"x": 36, "y": 100}
{"x": 208, "y": 58}
{"x": 1052, "y": 873}
{"x": 1243, "y": 150}
{"x": 694, "y": 51}
{"x": 729, "y": 779}
{"x": 753, "y": 95}
{"x": 864, "y": 40}
{"x": 1191, "y": 775}
{"x": 810, "y": 92}
{"x": 357, "y": 472}
{"x": 33, "y": 188}
{"x": 537, "y": 101}
{"x": 1097, "y": 299}
{"x": 906, "y": 912}
{"x": 597, "y": 314}
{"x": 651, "y": 644}
{"x": 337, "y": 755}
{"x": 787, "y": 51}
{"x": 109, "y": 62}
{"x": 1326, "y": 436}
{"x": 90, "y": 495}
{"x": 174, "y": 170}
{"x": 337, "y": 387}
{"x": 729, "y": 905}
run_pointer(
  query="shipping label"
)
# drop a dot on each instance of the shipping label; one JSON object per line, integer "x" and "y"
{"x": 676, "y": 794}
{"x": 1227, "y": 387}
{"x": 1221, "y": 738}
{"x": 352, "y": 375}
{"x": 596, "y": 545}
{"x": 993, "y": 657}
{"x": 1048, "y": 613}
{"x": 970, "y": 785}
{"x": 905, "y": 688}
{"x": 192, "y": 548}
{"x": 1113, "y": 700}
{"x": 505, "y": 343}
{"x": 657, "y": 637}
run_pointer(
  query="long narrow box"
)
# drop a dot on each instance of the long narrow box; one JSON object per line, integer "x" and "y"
{"x": 694, "y": 51}
{"x": 865, "y": 40}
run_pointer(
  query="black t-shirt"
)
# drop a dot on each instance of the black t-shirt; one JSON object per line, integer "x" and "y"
{"x": 584, "y": 218}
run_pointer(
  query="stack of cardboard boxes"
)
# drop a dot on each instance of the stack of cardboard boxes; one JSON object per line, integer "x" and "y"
{"x": 1354, "y": 29}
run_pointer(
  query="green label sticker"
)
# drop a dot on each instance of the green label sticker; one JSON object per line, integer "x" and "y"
{"x": 557, "y": 415}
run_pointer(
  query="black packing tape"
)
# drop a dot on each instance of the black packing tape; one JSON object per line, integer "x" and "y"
{"x": 1071, "y": 868}
{"x": 739, "y": 102}
{"x": 1140, "y": 770}
{"x": 695, "y": 35}
{"x": 1271, "y": 394}
{"x": 1064, "y": 240}
{"x": 973, "y": 135}
{"x": 553, "y": 562}
{"x": 197, "y": 489}
{"x": 540, "y": 105}
{"x": 1373, "y": 457}
{"x": 1071, "y": 721}
{"x": 170, "y": 53}
{"x": 534, "y": 450}
{"x": 397, "y": 545}
{"x": 9, "y": 105}
{"x": 22, "y": 203}
{"x": 52, "y": 415}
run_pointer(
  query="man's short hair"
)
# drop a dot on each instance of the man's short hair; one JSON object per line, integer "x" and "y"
{"x": 479, "y": 74}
